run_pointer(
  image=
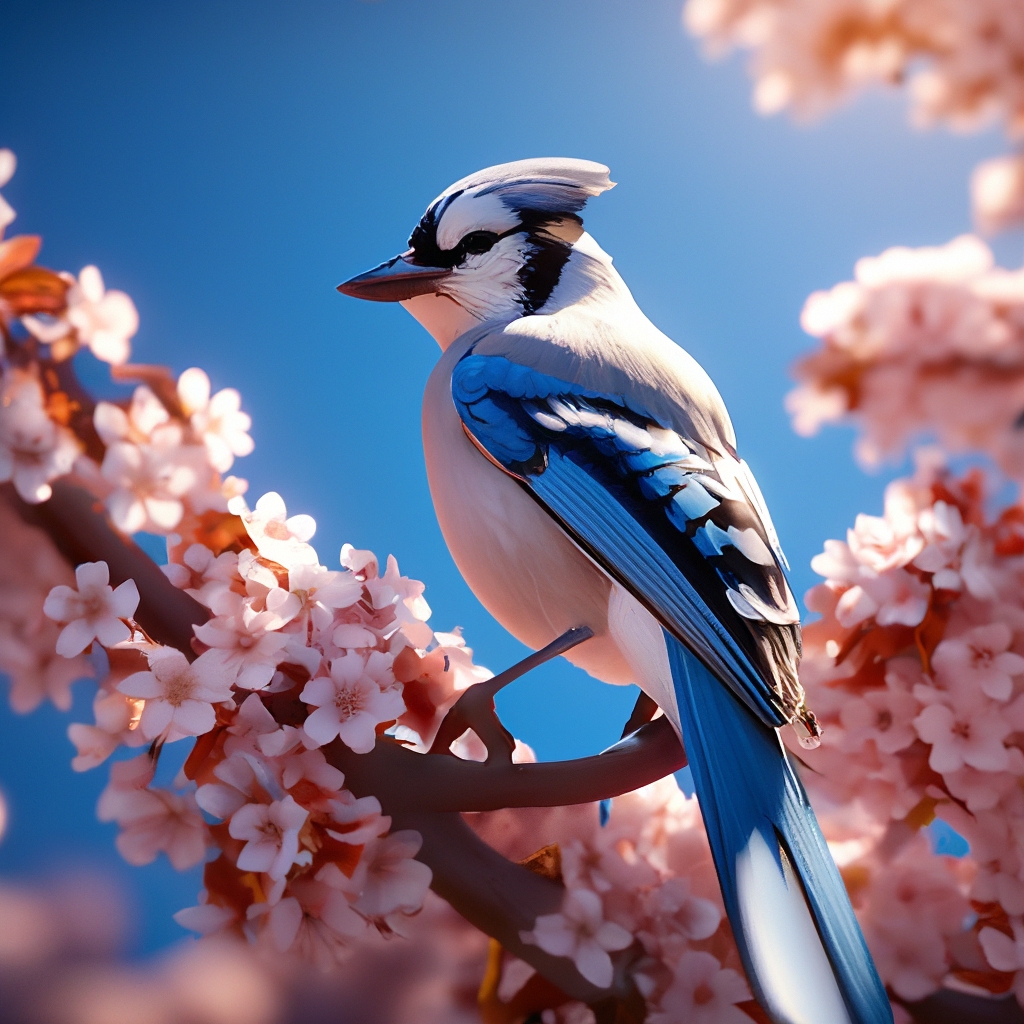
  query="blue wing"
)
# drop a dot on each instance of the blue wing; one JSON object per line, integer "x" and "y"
{"x": 678, "y": 521}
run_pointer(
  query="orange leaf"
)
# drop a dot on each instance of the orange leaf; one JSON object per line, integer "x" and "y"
{"x": 17, "y": 253}
{"x": 334, "y": 851}
{"x": 226, "y": 886}
{"x": 752, "y": 1008}
{"x": 34, "y": 290}
{"x": 546, "y": 862}
{"x": 992, "y": 981}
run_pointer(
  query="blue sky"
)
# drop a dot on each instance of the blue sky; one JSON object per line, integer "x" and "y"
{"x": 227, "y": 164}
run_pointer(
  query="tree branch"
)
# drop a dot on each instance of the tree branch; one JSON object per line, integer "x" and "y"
{"x": 403, "y": 780}
{"x": 77, "y": 525}
{"x": 502, "y": 899}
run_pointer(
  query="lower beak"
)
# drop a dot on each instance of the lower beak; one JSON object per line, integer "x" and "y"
{"x": 395, "y": 281}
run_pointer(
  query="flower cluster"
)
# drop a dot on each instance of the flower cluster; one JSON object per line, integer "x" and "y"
{"x": 645, "y": 876}
{"x": 961, "y": 59}
{"x": 923, "y": 341}
{"x": 293, "y": 658}
{"x": 916, "y": 668}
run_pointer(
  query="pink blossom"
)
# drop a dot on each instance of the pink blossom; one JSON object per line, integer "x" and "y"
{"x": 152, "y": 820}
{"x": 350, "y": 703}
{"x": 239, "y": 779}
{"x": 38, "y": 674}
{"x": 702, "y": 993}
{"x": 105, "y": 320}
{"x": 8, "y": 164}
{"x": 218, "y": 421}
{"x": 33, "y": 448}
{"x": 140, "y": 423}
{"x": 244, "y": 643}
{"x": 970, "y": 734}
{"x": 203, "y": 574}
{"x": 579, "y": 931}
{"x": 117, "y": 718}
{"x": 889, "y": 542}
{"x": 885, "y": 716}
{"x": 997, "y": 193}
{"x": 321, "y": 591}
{"x": 271, "y": 832}
{"x": 205, "y": 919}
{"x": 150, "y": 480}
{"x": 911, "y": 960}
{"x": 894, "y": 597}
{"x": 179, "y": 696}
{"x": 693, "y": 917}
{"x": 92, "y": 612}
{"x": 317, "y": 923}
{"x": 406, "y": 597}
{"x": 356, "y": 821}
{"x": 312, "y": 766}
{"x": 278, "y": 536}
{"x": 980, "y": 658}
{"x": 388, "y": 879}
{"x": 1006, "y": 954}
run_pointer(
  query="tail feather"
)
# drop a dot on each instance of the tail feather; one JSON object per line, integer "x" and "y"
{"x": 799, "y": 940}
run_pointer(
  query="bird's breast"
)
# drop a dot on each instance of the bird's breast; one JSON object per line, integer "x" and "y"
{"x": 517, "y": 560}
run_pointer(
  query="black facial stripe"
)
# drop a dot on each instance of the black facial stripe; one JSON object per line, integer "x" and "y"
{"x": 543, "y": 267}
{"x": 544, "y": 262}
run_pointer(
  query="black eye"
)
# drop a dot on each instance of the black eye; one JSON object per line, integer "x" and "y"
{"x": 477, "y": 242}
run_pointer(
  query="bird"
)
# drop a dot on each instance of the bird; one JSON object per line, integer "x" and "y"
{"x": 584, "y": 472}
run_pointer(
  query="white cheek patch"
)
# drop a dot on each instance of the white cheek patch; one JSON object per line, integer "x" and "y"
{"x": 788, "y": 956}
{"x": 470, "y": 212}
{"x": 488, "y": 285}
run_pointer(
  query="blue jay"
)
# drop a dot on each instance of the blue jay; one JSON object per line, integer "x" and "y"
{"x": 584, "y": 472}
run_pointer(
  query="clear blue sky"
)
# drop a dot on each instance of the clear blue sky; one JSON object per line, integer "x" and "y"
{"x": 228, "y": 163}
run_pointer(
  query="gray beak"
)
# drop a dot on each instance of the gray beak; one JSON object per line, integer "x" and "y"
{"x": 395, "y": 281}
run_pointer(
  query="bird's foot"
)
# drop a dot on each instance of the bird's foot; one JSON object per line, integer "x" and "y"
{"x": 475, "y": 708}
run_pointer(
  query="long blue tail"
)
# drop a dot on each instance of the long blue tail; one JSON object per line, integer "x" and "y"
{"x": 802, "y": 948}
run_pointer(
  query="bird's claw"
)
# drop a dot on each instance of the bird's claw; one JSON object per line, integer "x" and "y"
{"x": 475, "y": 708}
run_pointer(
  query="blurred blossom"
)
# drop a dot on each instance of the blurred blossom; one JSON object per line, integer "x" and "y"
{"x": 104, "y": 320}
{"x": 997, "y": 194}
{"x": 924, "y": 342}
{"x": 34, "y": 450}
{"x": 958, "y": 58}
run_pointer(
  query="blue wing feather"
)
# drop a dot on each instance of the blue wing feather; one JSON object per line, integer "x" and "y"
{"x": 671, "y": 526}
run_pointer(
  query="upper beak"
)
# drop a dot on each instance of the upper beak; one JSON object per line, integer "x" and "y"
{"x": 395, "y": 281}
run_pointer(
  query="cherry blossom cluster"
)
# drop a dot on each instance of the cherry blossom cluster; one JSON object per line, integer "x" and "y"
{"x": 960, "y": 59}
{"x": 645, "y": 878}
{"x": 294, "y": 657}
{"x": 916, "y": 668}
{"x": 923, "y": 341}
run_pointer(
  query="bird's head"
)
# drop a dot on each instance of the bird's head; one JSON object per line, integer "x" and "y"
{"x": 490, "y": 247}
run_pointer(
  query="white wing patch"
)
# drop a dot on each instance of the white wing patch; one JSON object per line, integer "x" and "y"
{"x": 789, "y": 959}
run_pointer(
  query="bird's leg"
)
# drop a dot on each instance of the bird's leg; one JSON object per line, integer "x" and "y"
{"x": 475, "y": 708}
